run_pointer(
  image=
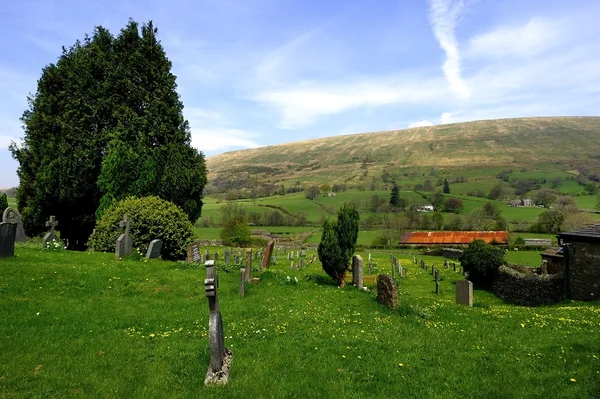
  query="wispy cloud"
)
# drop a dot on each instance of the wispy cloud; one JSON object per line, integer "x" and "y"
{"x": 444, "y": 16}
{"x": 422, "y": 123}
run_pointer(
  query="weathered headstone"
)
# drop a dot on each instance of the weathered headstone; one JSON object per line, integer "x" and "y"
{"x": 464, "y": 292}
{"x": 193, "y": 252}
{"x": 387, "y": 292}
{"x": 437, "y": 275}
{"x": 268, "y": 253}
{"x": 357, "y": 271}
{"x": 445, "y": 264}
{"x": 154, "y": 249}
{"x": 242, "y": 280}
{"x": 289, "y": 258}
{"x": 50, "y": 235}
{"x": 248, "y": 264}
{"x": 8, "y": 234}
{"x": 10, "y": 215}
{"x": 124, "y": 244}
{"x": 220, "y": 357}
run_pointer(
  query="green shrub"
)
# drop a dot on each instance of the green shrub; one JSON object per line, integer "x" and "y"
{"x": 151, "y": 218}
{"x": 236, "y": 231}
{"x": 482, "y": 261}
{"x": 3, "y": 202}
{"x": 519, "y": 241}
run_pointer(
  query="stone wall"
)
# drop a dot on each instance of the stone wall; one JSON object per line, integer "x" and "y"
{"x": 517, "y": 285}
{"x": 584, "y": 271}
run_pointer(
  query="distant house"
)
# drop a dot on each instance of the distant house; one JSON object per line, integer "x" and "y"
{"x": 425, "y": 208}
{"x": 514, "y": 203}
{"x": 453, "y": 237}
{"x": 527, "y": 202}
{"x": 331, "y": 194}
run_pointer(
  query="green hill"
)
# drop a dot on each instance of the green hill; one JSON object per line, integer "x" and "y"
{"x": 473, "y": 149}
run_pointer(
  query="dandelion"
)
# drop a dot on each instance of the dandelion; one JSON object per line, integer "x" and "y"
{"x": 572, "y": 380}
{"x": 522, "y": 325}
{"x": 401, "y": 364}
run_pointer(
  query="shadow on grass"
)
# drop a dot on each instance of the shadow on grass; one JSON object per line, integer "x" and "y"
{"x": 321, "y": 279}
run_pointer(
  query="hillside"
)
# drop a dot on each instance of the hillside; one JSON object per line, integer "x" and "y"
{"x": 482, "y": 147}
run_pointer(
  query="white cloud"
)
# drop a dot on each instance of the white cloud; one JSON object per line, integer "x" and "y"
{"x": 220, "y": 139}
{"x": 444, "y": 16}
{"x": 5, "y": 141}
{"x": 534, "y": 37}
{"x": 446, "y": 117}
{"x": 422, "y": 123}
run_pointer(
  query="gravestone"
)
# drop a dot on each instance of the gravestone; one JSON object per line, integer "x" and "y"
{"x": 437, "y": 275}
{"x": 289, "y": 256}
{"x": 12, "y": 216}
{"x": 50, "y": 234}
{"x": 207, "y": 254}
{"x": 220, "y": 357}
{"x": 216, "y": 256}
{"x": 292, "y": 265}
{"x": 154, "y": 249}
{"x": 267, "y": 255}
{"x": 301, "y": 263}
{"x": 414, "y": 259}
{"x": 8, "y": 234}
{"x": 445, "y": 264}
{"x": 464, "y": 292}
{"x": 357, "y": 271}
{"x": 242, "y": 280}
{"x": 387, "y": 292}
{"x": 124, "y": 244}
{"x": 248, "y": 264}
{"x": 193, "y": 252}
{"x": 226, "y": 256}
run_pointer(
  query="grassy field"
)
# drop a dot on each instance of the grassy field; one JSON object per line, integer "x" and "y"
{"x": 85, "y": 325}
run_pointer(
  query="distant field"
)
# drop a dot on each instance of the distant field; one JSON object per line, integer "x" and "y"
{"x": 526, "y": 258}
{"x": 12, "y": 202}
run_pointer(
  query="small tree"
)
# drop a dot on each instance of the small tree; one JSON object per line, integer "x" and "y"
{"x": 482, "y": 261}
{"x": 545, "y": 197}
{"x": 235, "y": 231}
{"x": 446, "y": 187}
{"x": 395, "y": 196}
{"x": 3, "y": 202}
{"x": 454, "y": 205}
{"x": 438, "y": 221}
{"x": 338, "y": 243}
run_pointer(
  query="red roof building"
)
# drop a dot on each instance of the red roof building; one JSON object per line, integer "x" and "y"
{"x": 453, "y": 237}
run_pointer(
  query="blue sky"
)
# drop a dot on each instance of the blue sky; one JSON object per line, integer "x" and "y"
{"x": 261, "y": 72}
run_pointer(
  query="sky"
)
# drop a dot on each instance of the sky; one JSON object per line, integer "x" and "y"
{"x": 261, "y": 72}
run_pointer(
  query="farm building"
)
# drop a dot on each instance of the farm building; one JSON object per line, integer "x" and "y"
{"x": 582, "y": 254}
{"x": 554, "y": 259}
{"x": 453, "y": 237}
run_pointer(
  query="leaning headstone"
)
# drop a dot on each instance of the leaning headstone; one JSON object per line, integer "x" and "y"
{"x": 8, "y": 234}
{"x": 357, "y": 271}
{"x": 12, "y": 216}
{"x": 464, "y": 292}
{"x": 220, "y": 357}
{"x": 50, "y": 235}
{"x": 387, "y": 292}
{"x": 242, "y": 280}
{"x": 267, "y": 255}
{"x": 124, "y": 244}
{"x": 154, "y": 249}
{"x": 248, "y": 264}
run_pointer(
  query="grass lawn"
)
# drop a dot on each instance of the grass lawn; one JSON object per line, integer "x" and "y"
{"x": 526, "y": 258}
{"x": 83, "y": 324}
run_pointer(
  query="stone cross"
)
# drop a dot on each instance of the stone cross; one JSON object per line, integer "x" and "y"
{"x": 218, "y": 371}
{"x": 124, "y": 244}
{"x": 52, "y": 223}
{"x": 464, "y": 293}
{"x": 357, "y": 271}
{"x": 8, "y": 234}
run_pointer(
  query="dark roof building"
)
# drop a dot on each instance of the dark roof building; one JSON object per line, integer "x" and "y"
{"x": 582, "y": 266}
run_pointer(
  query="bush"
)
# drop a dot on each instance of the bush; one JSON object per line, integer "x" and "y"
{"x": 482, "y": 261}
{"x": 151, "y": 218}
{"x": 3, "y": 202}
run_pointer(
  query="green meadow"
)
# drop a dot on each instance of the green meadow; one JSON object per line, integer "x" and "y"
{"x": 86, "y": 325}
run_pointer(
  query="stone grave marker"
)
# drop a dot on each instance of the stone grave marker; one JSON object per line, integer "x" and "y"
{"x": 267, "y": 254}
{"x": 437, "y": 275}
{"x": 387, "y": 292}
{"x": 291, "y": 265}
{"x": 220, "y": 357}
{"x": 242, "y": 280}
{"x": 357, "y": 271}
{"x": 216, "y": 256}
{"x": 207, "y": 254}
{"x": 8, "y": 234}
{"x": 289, "y": 256}
{"x": 193, "y": 252}
{"x": 50, "y": 235}
{"x": 10, "y": 215}
{"x": 124, "y": 244}
{"x": 301, "y": 263}
{"x": 248, "y": 264}
{"x": 464, "y": 292}
{"x": 445, "y": 264}
{"x": 154, "y": 249}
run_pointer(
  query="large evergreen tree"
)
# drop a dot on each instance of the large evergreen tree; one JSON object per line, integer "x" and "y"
{"x": 105, "y": 123}
{"x": 338, "y": 243}
{"x": 395, "y": 196}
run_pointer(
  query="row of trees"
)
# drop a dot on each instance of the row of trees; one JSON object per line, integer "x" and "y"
{"x": 105, "y": 123}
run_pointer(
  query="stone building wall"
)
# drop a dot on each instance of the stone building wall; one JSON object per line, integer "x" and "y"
{"x": 584, "y": 271}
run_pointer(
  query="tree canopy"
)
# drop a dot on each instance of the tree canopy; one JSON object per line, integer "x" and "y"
{"x": 105, "y": 123}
